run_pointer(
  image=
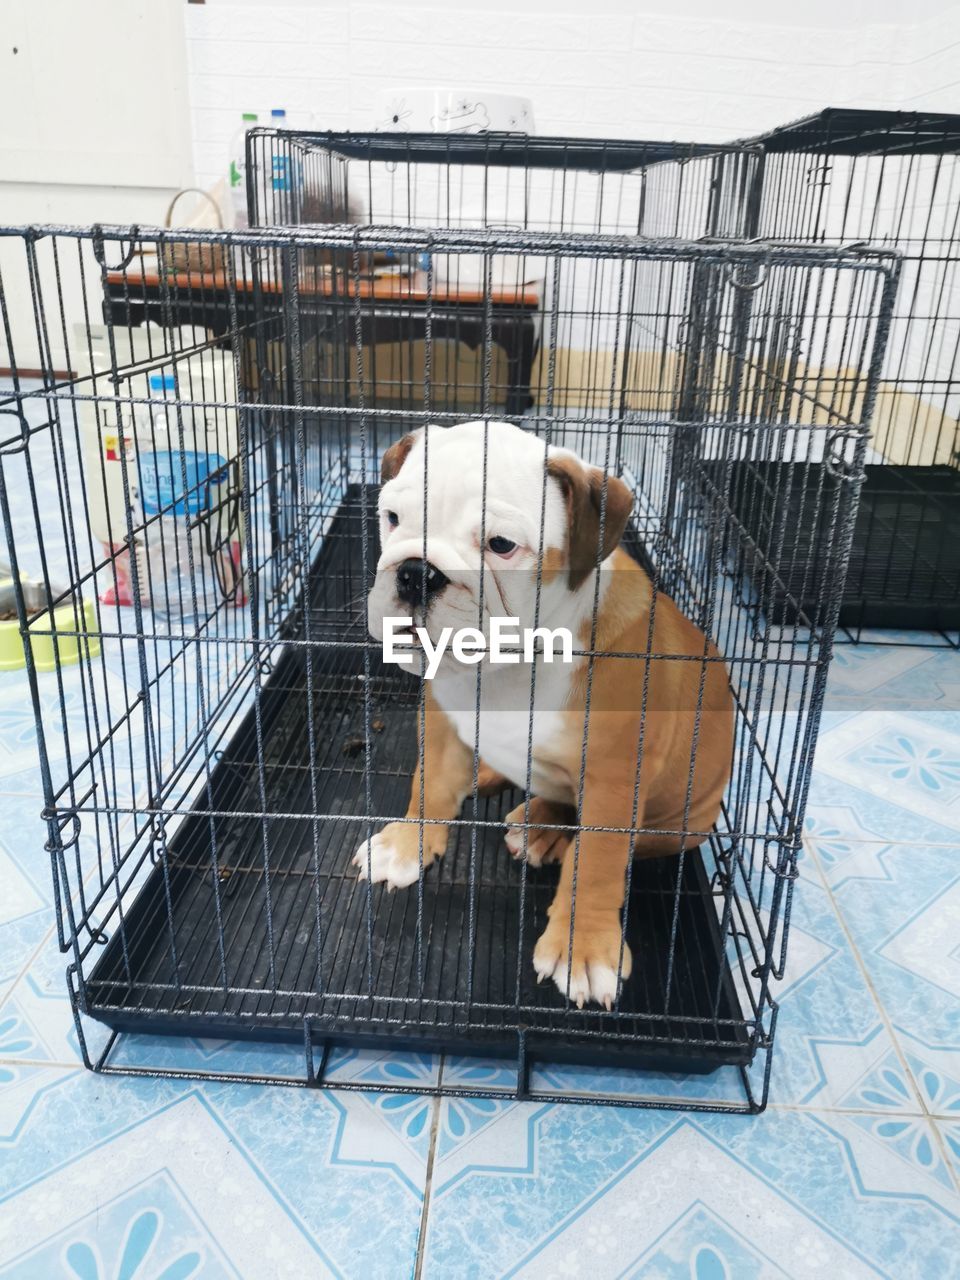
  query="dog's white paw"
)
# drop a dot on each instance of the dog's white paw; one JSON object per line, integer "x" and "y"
{"x": 393, "y": 855}
{"x": 540, "y": 845}
{"x": 596, "y": 956}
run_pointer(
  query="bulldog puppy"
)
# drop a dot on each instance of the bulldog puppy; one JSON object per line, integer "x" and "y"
{"x": 545, "y": 527}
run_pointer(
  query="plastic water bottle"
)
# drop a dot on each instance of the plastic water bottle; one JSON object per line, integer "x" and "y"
{"x": 286, "y": 172}
{"x": 179, "y": 487}
{"x": 237, "y": 175}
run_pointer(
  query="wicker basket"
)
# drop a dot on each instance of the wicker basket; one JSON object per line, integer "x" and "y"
{"x": 183, "y": 257}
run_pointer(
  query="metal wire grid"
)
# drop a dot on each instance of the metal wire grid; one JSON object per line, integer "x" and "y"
{"x": 308, "y": 450}
{"x": 887, "y": 178}
{"x": 498, "y": 181}
{"x": 891, "y": 179}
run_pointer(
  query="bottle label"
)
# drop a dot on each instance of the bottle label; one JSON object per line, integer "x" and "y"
{"x": 281, "y": 173}
{"x": 162, "y": 476}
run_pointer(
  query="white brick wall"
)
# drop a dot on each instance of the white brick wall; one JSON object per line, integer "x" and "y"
{"x": 600, "y": 67}
{"x": 591, "y": 68}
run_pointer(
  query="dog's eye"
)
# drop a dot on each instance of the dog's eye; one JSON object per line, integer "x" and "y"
{"x": 501, "y": 546}
{"x": 392, "y": 519}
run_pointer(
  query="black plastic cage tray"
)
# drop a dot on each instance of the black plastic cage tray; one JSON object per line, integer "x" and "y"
{"x": 904, "y": 570}
{"x": 469, "y": 985}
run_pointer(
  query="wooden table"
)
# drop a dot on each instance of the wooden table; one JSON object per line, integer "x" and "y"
{"x": 392, "y": 308}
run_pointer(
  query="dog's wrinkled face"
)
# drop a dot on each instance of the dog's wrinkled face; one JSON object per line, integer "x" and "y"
{"x": 467, "y": 513}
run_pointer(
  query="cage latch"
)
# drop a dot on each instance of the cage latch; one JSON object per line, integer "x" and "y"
{"x": 98, "y": 243}
{"x": 747, "y": 286}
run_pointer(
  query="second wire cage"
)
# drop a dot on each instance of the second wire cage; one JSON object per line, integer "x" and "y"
{"x": 889, "y": 179}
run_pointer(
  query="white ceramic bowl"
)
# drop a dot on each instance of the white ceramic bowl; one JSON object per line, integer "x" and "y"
{"x": 453, "y": 111}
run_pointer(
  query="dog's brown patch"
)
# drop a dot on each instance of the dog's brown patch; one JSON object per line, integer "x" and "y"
{"x": 590, "y": 495}
{"x": 554, "y": 564}
{"x": 395, "y": 457}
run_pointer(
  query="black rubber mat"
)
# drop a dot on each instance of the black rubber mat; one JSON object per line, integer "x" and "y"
{"x": 279, "y": 929}
{"x": 904, "y": 565}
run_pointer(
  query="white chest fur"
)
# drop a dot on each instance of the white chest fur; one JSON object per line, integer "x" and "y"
{"x": 511, "y": 736}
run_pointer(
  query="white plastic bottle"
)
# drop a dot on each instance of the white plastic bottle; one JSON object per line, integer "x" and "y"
{"x": 237, "y": 173}
{"x": 178, "y": 488}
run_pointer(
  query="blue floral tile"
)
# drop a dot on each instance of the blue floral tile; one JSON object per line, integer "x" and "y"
{"x": 831, "y": 1035}
{"x": 899, "y": 638}
{"x": 577, "y": 1191}
{"x": 272, "y": 1182}
{"x": 248, "y": 1058}
{"x": 18, "y": 1043}
{"x": 901, "y": 904}
{"x": 350, "y": 1174}
{"x": 923, "y": 766}
{"x": 409, "y": 1115}
{"x": 24, "y": 864}
{"x": 379, "y": 1067}
{"x": 898, "y": 675}
{"x": 949, "y": 1131}
{"x": 150, "y": 1232}
{"x": 63, "y": 714}
{"x": 287, "y": 1061}
{"x": 851, "y": 815}
{"x": 936, "y": 1070}
{"x": 40, "y": 999}
{"x": 910, "y": 760}
{"x": 914, "y": 1141}
{"x": 26, "y": 784}
{"x": 19, "y": 940}
{"x": 480, "y": 1073}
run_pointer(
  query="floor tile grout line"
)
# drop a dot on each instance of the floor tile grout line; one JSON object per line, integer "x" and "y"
{"x": 885, "y": 1017}
{"x": 42, "y": 1064}
{"x": 428, "y": 1177}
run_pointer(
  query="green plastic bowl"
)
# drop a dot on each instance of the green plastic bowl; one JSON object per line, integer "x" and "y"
{"x": 71, "y": 630}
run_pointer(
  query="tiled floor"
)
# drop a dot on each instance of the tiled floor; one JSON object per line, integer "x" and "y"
{"x": 854, "y": 1170}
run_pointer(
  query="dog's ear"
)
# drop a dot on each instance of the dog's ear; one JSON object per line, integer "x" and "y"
{"x": 396, "y": 456}
{"x": 583, "y": 488}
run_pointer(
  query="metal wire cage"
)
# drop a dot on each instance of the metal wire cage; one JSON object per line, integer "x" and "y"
{"x": 891, "y": 178}
{"x": 212, "y": 762}
{"x": 502, "y": 182}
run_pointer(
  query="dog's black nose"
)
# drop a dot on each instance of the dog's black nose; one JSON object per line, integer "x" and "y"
{"x": 418, "y": 580}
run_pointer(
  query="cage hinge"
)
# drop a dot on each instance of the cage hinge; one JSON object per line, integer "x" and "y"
{"x": 786, "y": 870}
{"x": 837, "y": 465}
{"x": 8, "y": 448}
{"x": 70, "y": 819}
{"x": 99, "y": 937}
